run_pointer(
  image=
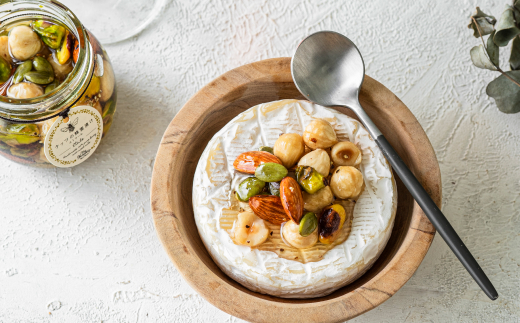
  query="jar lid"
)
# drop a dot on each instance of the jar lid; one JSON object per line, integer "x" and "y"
{"x": 116, "y": 20}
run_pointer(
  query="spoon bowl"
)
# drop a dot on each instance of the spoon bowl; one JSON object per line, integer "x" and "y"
{"x": 328, "y": 68}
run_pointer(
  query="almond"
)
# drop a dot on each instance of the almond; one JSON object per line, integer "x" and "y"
{"x": 292, "y": 199}
{"x": 249, "y": 161}
{"x": 268, "y": 208}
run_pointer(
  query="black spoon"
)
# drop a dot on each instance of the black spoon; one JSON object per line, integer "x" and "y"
{"x": 328, "y": 69}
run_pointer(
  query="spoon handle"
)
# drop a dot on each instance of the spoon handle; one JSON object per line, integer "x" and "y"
{"x": 436, "y": 217}
{"x": 431, "y": 210}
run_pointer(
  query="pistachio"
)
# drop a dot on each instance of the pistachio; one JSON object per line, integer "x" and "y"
{"x": 270, "y": 172}
{"x": 23, "y": 43}
{"x": 20, "y": 134}
{"x": 3, "y": 145}
{"x": 21, "y": 70}
{"x": 330, "y": 223}
{"x": 42, "y": 65}
{"x": 274, "y": 188}
{"x": 346, "y": 153}
{"x": 249, "y": 187}
{"x": 109, "y": 108}
{"x": 107, "y": 123}
{"x": 309, "y": 179}
{"x": 317, "y": 159}
{"x": 25, "y": 152}
{"x": 319, "y": 134}
{"x": 41, "y": 78}
{"x": 308, "y": 224}
{"x": 51, "y": 87}
{"x": 346, "y": 182}
{"x": 5, "y": 70}
{"x": 266, "y": 148}
{"x": 51, "y": 34}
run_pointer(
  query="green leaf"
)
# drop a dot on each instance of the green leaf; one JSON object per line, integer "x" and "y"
{"x": 505, "y": 92}
{"x": 484, "y": 21}
{"x": 514, "y": 59}
{"x": 516, "y": 10}
{"x": 506, "y": 28}
{"x": 492, "y": 49}
{"x": 479, "y": 57}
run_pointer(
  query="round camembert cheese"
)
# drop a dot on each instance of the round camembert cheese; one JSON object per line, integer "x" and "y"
{"x": 264, "y": 271}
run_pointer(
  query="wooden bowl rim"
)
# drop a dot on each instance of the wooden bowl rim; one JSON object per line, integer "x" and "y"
{"x": 366, "y": 297}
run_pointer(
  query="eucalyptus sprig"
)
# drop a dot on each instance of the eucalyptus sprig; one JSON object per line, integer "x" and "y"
{"x": 505, "y": 89}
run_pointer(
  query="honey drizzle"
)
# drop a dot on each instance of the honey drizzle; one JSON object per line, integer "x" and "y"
{"x": 275, "y": 243}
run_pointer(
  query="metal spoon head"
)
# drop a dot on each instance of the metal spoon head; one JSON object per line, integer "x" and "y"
{"x": 328, "y": 69}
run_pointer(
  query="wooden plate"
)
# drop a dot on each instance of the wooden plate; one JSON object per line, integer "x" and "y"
{"x": 206, "y": 113}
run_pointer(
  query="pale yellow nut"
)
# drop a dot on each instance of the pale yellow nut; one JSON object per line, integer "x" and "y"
{"x": 319, "y": 134}
{"x": 108, "y": 81}
{"x": 24, "y": 90}
{"x": 4, "y": 49}
{"x": 289, "y": 148}
{"x": 317, "y": 159}
{"x": 98, "y": 107}
{"x": 24, "y": 43}
{"x": 317, "y": 201}
{"x": 346, "y": 182}
{"x": 291, "y": 234}
{"x": 46, "y": 125}
{"x": 346, "y": 153}
{"x": 61, "y": 71}
{"x": 250, "y": 230}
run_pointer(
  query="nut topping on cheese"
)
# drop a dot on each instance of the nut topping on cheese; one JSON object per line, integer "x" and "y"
{"x": 300, "y": 219}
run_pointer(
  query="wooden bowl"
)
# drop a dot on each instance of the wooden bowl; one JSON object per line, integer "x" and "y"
{"x": 206, "y": 113}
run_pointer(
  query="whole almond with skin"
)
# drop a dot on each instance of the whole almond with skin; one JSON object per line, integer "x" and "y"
{"x": 292, "y": 199}
{"x": 249, "y": 161}
{"x": 268, "y": 208}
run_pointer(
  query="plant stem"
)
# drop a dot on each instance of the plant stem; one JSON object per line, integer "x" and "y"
{"x": 485, "y": 51}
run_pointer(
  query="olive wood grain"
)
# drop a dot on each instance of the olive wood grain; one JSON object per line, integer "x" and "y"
{"x": 171, "y": 192}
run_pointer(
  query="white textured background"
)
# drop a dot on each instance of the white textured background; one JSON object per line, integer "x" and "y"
{"x": 78, "y": 245}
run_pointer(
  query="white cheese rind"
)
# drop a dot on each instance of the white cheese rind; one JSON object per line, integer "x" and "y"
{"x": 264, "y": 271}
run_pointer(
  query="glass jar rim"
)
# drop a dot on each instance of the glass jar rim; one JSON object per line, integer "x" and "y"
{"x": 54, "y": 102}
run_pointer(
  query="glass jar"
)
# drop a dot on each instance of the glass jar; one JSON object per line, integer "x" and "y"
{"x": 24, "y": 123}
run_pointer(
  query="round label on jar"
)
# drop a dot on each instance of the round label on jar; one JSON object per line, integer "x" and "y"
{"x": 70, "y": 141}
